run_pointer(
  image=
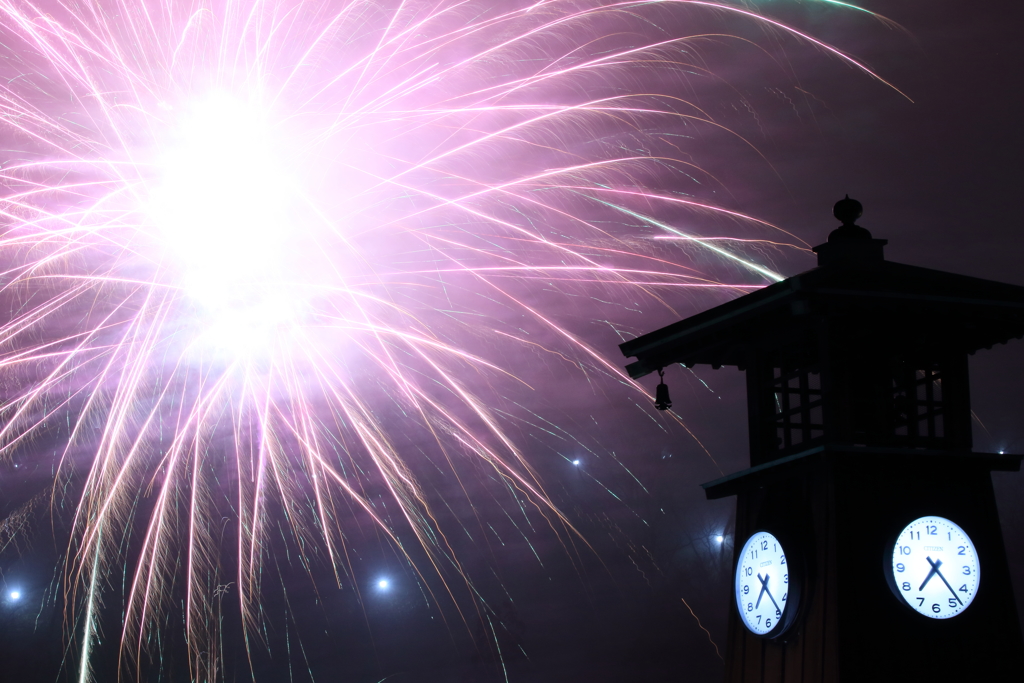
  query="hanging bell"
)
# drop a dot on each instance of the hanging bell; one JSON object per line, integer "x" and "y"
{"x": 661, "y": 399}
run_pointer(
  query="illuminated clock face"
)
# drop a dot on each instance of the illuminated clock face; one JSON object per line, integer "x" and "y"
{"x": 762, "y": 584}
{"x": 935, "y": 567}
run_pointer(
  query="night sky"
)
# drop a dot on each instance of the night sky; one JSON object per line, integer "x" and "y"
{"x": 644, "y": 595}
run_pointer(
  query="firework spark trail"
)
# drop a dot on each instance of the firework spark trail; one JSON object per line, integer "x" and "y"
{"x": 264, "y": 240}
{"x": 706, "y": 632}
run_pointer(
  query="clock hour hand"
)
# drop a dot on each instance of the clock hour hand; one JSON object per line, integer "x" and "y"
{"x": 933, "y": 572}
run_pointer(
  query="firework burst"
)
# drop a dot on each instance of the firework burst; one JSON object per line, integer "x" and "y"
{"x": 265, "y": 262}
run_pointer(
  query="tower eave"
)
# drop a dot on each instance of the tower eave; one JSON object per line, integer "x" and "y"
{"x": 970, "y": 313}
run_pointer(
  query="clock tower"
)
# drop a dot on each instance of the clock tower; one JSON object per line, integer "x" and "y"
{"x": 868, "y": 545}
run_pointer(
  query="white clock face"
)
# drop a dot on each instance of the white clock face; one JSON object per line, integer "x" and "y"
{"x": 935, "y": 567}
{"x": 762, "y": 583}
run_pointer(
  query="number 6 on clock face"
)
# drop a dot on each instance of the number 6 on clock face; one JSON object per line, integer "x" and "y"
{"x": 762, "y": 589}
{"x": 935, "y": 568}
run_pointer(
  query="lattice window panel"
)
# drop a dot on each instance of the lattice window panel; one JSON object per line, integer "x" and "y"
{"x": 798, "y": 415}
{"x": 917, "y": 397}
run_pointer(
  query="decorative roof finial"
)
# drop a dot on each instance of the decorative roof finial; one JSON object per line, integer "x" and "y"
{"x": 848, "y": 211}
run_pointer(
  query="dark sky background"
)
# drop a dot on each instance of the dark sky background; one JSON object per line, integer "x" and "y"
{"x": 940, "y": 178}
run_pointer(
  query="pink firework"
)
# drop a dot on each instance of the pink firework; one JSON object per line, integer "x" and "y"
{"x": 264, "y": 262}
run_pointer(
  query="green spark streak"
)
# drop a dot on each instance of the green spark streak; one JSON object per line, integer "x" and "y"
{"x": 760, "y": 270}
{"x": 501, "y": 657}
{"x": 849, "y": 6}
{"x": 90, "y": 619}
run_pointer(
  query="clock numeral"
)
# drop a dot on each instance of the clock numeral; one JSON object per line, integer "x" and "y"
{"x": 931, "y": 529}
{"x": 746, "y": 589}
{"x": 915, "y": 538}
{"x": 785, "y": 579}
{"x": 758, "y": 618}
{"x": 949, "y": 535}
{"x": 904, "y": 550}
{"x": 783, "y": 561}
{"x": 768, "y": 623}
{"x": 753, "y": 554}
{"x": 775, "y": 547}
{"x": 749, "y": 571}
{"x": 785, "y": 596}
{"x": 952, "y": 602}
{"x": 920, "y": 602}
{"x": 906, "y": 585}
{"x": 750, "y": 607}
{"x": 963, "y": 588}
{"x": 961, "y": 550}
{"x": 764, "y": 545}
{"x": 900, "y": 567}
{"x": 967, "y": 571}
{"x": 936, "y": 608}
{"x": 778, "y": 613}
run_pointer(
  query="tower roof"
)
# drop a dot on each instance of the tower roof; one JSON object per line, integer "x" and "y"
{"x": 910, "y": 305}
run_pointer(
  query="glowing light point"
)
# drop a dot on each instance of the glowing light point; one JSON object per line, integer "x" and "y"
{"x": 15, "y": 595}
{"x": 720, "y": 538}
{"x": 576, "y": 462}
{"x": 383, "y": 584}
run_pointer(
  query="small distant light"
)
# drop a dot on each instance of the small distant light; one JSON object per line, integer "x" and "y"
{"x": 15, "y": 595}
{"x": 1000, "y": 452}
{"x": 577, "y": 462}
{"x": 383, "y": 584}
{"x": 719, "y": 538}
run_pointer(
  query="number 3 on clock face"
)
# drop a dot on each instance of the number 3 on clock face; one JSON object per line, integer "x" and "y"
{"x": 763, "y": 587}
{"x": 935, "y": 568}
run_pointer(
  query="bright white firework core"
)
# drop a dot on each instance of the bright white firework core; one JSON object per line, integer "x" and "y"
{"x": 221, "y": 209}
{"x": 383, "y": 584}
{"x": 15, "y": 595}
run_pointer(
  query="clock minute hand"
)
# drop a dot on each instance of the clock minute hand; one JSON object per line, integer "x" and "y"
{"x": 770, "y": 597}
{"x": 933, "y": 572}
{"x": 936, "y": 570}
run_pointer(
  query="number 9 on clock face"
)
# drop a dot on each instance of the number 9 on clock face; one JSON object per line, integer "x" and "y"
{"x": 762, "y": 583}
{"x": 935, "y": 567}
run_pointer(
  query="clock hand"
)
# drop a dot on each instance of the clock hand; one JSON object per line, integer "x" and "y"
{"x": 947, "y": 583}
{"x": 777, "y": 608}
{"x": 764, "y": 587}
{"x": 935, "y": 569}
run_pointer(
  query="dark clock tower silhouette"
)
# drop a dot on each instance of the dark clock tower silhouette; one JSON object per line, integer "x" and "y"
{"x": 860, "y": 423}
